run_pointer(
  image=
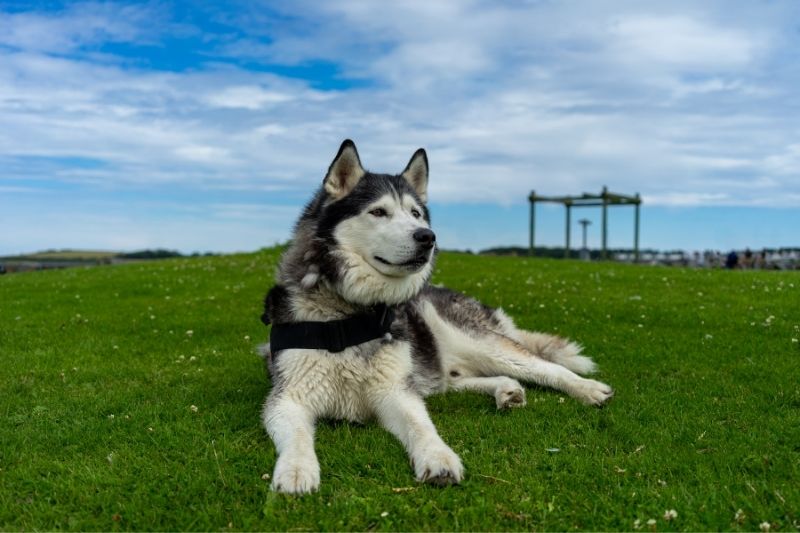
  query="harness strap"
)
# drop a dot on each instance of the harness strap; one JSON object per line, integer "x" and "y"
{"x": 335, "y": 335}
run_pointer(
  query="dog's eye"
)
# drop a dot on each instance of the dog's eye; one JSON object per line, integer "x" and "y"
{"x": 415, "y": 213}
{"x": 378, "y": 212}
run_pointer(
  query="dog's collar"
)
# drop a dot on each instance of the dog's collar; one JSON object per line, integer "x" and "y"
{"x": 333, "y": 336}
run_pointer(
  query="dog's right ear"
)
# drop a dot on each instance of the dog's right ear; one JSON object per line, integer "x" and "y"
{"x": 345, "y": 172}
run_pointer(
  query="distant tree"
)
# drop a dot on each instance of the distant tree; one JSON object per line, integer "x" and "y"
{"x": 151, "y": 254}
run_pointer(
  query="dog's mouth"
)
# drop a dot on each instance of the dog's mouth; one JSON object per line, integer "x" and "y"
{"x": 413, "y": 264}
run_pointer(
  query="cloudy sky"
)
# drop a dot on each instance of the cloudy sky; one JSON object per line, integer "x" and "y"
{"x": 206, "y": 126}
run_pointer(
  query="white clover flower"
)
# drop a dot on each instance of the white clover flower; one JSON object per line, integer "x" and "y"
{"x": 384, "y": 514}
{"x": 193, "y": 408}
{"x": 670, "y": 514}
{"x": 764, "y": 526}
{"x": 265, "y": 477}
{"x": 651, "y": 522}
{"x": 739, "y": 516}
{"x": 189, "y": 332}
{"x": 637, "y": 524}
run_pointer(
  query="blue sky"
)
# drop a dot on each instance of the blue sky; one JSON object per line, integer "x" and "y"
{"x": 207, "y": 125}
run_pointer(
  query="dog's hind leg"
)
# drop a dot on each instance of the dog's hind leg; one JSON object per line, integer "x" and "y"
{"x": 291, "y": 427}
{"x": 549, "y": 347}
{"x": 501, "y": 355}
{"x": 507, "y": 392}
{"x": 488, "y": 353}
{"x": 403, "y": 413}
{"x": 495, "y": 354}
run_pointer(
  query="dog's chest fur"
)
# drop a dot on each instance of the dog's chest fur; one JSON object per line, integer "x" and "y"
{"x": 340, "y": 385}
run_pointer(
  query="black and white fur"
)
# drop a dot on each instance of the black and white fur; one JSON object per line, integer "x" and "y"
{"x": 365, "y": 239}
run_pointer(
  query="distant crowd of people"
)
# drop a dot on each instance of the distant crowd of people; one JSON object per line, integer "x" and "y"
{"x": 767, "y": 259}
{"x": 747, "y": 259}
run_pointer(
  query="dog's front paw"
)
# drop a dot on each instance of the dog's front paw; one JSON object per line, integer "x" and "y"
{"x": 296, "y": 475}
{"x": 510, "y": 394}
{"x": 591, "y": 392}
{"x": 439, "y": 465}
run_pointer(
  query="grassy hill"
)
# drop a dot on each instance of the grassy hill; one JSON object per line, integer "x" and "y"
{"x": 130, "y": 399}
{"x": 67, "y": 255}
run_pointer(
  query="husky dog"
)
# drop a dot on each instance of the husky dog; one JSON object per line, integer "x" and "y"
{"x": 364, "y": 243}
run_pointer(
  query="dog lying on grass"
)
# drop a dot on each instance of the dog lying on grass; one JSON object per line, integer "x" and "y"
{"x": 358, "y": 333}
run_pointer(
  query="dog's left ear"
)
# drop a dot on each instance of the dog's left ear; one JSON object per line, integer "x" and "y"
{"x": 416, "y": 173}
{"x": 345, "y": 172}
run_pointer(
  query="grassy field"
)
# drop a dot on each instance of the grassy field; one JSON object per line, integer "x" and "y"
{"x": 130, "y": 399}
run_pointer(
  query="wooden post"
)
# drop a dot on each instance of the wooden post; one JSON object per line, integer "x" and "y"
{"x": 605, "y": 222}
{"x": 636, "y": 230}
{"x": 568, "y": 205}
{"x": 532, "y": 228}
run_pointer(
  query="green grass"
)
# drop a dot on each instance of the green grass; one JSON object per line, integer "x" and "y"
{"x": 98, "y": 376}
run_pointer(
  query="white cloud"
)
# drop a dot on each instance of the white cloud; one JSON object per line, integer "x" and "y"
{"x": 79, "y": 24}
{"x": 247, "y": 97}
{"x": 785, "y": 163}
{"x": 684, "y": 43}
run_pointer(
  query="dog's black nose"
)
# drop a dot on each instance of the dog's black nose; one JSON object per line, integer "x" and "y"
{"x": 425, "y": 237}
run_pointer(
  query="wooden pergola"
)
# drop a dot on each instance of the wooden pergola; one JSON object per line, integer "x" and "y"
{"x": 603, "y": 200}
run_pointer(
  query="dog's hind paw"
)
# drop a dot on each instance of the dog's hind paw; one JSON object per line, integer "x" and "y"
{"x": 295, "y": 476}
{"x": 509, "y": 395}
{"x": 591, "y": 392}
{"x": 439, "y": 466}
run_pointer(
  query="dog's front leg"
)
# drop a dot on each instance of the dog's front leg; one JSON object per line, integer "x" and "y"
{"x": 291, "y": 427}
{"x": 403, "y": 413}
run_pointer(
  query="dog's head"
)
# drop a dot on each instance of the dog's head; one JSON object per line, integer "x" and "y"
{"x": 375, "y": 229}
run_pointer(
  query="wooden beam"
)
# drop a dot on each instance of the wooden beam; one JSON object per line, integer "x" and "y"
{"x": 605, "y": 225}
{"x": 569, "y": 223}
{"x": 636, "y": 230}
{"x": 532, "y": 228}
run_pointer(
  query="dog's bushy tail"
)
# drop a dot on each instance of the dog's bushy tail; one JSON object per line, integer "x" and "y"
{"x": 558, "y": 350}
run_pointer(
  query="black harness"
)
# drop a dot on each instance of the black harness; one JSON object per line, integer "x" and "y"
{"x": 334, "y": 335}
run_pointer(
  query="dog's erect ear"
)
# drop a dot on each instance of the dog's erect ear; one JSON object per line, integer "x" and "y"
{"x": 416, "y": 173}
{"x": 345, "y": 171}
